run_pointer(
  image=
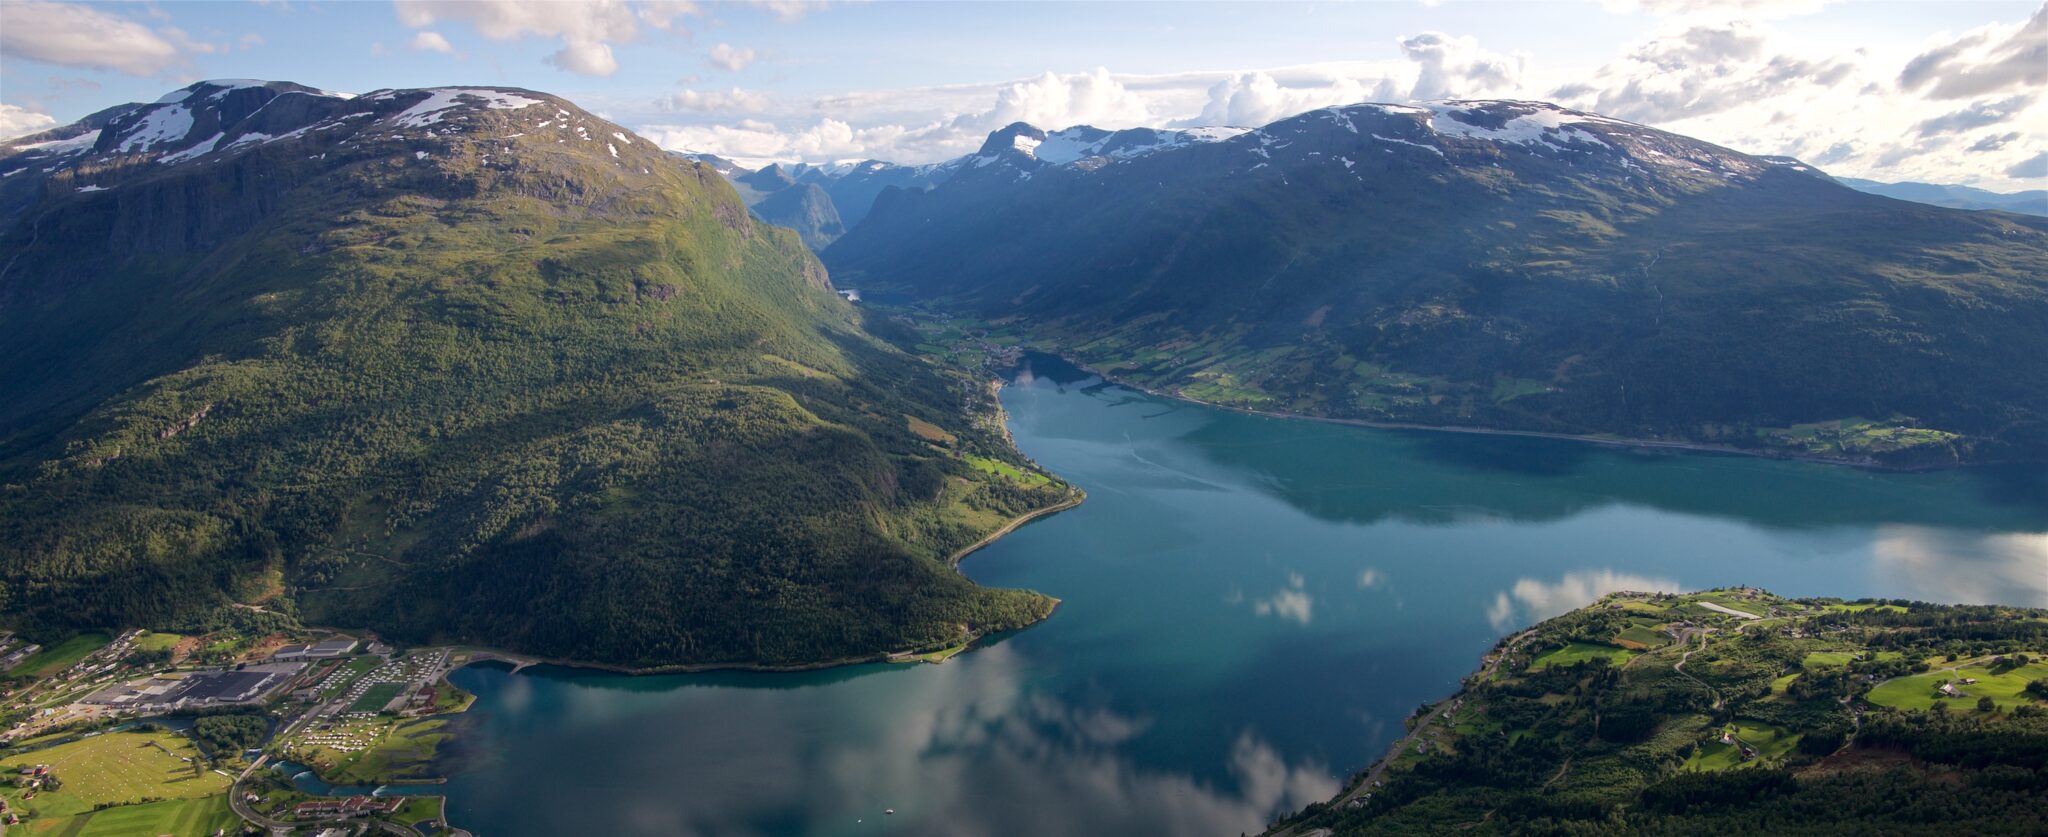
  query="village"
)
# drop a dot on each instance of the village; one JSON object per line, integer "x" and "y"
{"x": 224, "y": 733}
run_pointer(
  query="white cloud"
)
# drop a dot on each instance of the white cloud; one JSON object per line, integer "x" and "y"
{"x": 1448, "y": 66}
{"x": 18, "y": 121}
{"x": 1985, "y": 60}
{"x": 791, "y": 11}
{"x": 1739, "y": 84}
{"x": 729, "y": 58}
{"x": 432, "y": 42}
{"x": 732, "y": 100}
{"x": 1745, "y": 86}
{"x": 250, "y": 41}
{"x": 587, "y": 28}
{"x": 590, "y": 58}
{"x": 78, "y": 36}
{"x": 1531, "y": 600}
{"x": 1054, "y": 100}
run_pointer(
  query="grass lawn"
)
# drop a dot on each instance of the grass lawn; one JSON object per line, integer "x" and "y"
{"x": 180, "y": 817}
{"x": 1578, "y": 651}
{"x": 117, "y": 767}
{"x": 1826, "y": 659}
{"x": 376, "y": 696}
{"x": 61, "y": 656}
{"x": 154, "y": 641}
{"x": 1917, "y": 691}
{"x": 419, "y": 809}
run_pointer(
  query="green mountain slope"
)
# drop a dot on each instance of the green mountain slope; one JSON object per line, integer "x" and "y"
{"x": 1501, "y": 264}
{"x": 804, "y": 208}
{"x": 468, "y": 364}
{"x": 1661, "y": 714}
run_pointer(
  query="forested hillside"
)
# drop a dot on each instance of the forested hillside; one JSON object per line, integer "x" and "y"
{"x": 465, "y": 364}
{"x": 1501, "y": 264}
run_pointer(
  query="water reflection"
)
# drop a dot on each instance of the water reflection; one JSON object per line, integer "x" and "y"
{"x": 1249, "y": 608}
{"x": 1951, "y": 566}
{"x": 967, "y": 748}
{"x": 1530, "y": 601}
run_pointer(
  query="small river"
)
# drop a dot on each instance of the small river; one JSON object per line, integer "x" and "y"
{"x": 1250, "y": 607}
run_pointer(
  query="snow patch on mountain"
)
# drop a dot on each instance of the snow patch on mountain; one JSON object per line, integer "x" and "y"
{"x": 440, "y": 100}
{"x": 163, "y": 123}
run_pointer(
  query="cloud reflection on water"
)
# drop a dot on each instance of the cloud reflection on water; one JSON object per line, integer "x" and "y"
{"x": 1531, "y": 601}
{"x": 1953, "y": 566}
{"x": 965, "y": 748}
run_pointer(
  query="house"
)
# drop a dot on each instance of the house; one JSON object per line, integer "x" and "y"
{"x": 1969, "y": 681}
{"x": 1948, "y": 689}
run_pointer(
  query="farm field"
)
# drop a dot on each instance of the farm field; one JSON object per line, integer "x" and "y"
{"x": 178, "y": 817}
{"x": 1579, "y": 652}
{"x": 1918, "y": 691}
{"x": 61, "y": 656}
{"x": 115, "y": 768}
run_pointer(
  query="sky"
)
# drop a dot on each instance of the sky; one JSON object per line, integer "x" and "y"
{"x": 1944, "y": 92}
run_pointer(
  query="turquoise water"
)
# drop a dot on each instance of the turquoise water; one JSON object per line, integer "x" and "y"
{"x": 1250, "y": 607}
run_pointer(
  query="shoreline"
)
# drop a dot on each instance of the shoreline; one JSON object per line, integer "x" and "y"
{"x": 520, "y": 662}
{"x": 1604, "y": 441}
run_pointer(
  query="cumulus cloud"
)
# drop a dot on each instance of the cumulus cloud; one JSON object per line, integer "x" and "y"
{"x": 1986, "y": 60}
{"x": 16, "y": 121}
{"x": 586, "y": 28}
{"x": 727, "y": 57}
{"x": 78, "y": 36}
{"x": 1092, "y": 98}
{"x": 1448, "y": 66}
{"x": 432, "y": 42}
{"x": 1531, "y": 600}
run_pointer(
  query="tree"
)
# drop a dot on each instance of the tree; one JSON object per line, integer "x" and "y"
{"x": 1986, "y": 704}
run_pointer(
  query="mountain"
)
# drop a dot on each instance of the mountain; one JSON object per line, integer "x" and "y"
{"x": 1499, "y": 264}
{"x": 2030, "y": 202}
{"x": 806, "y": 209}
{"x": 851, "y": 187}
{"x": 466, "y": 364}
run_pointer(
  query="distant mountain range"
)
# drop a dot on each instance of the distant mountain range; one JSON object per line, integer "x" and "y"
{"x": 821, "y": 202}
{"x": 2030, "y": 202}
{"x": 1495, "y": 264}
{"x": 468, "y": 364}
